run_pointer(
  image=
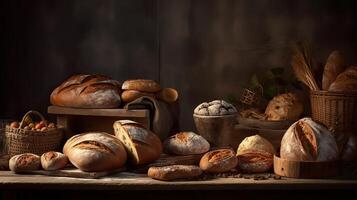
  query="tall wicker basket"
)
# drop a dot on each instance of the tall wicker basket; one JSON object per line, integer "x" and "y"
{"x": 20, "y": 141}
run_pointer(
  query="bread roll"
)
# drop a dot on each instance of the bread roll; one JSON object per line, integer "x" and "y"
{"x": 186, "y": 143}
{"x": 87, "y": 91}
{"x": 255, "y": 155}
{"x": 142, "y": 145}
{"x": 95, "y": 152}
{"x": 284, "y": 107}
{"x": 349, "y": 152}
{"x": 346, "y": 81}
{"x": 168, "y": 95}
{"x": 141, "y": 85}
{"x": 217, "y": 161}
{"x": 307, "y": 140}
{"x": 173, "y": 172}
{"x": 53, "y": 160}
{"x": 215, "y": 108}
{"x": 24, "y": 162}
{"x": 130, "y": 95}
{"x": 335, "y": 64}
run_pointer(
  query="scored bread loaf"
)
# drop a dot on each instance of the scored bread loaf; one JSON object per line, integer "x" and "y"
{"x": 217, "y": 161}
{"x": 131, "y": 95}
{"x": 142, "y": 145}
{"x": 24, "y": 162}
{"x": 142, "y": 85}
{"x": 87, "y": 91}
{"x": 95, "y": 151}
{"x": 186, "y": 143}
{"x": 335, "y": 64}
{"x": 53, "y": 160}
{"x": 173, "y": 172}
{"x": 346, "y": 81}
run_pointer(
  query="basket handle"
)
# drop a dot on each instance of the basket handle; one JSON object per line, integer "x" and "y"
{"x": 29, "y": 113}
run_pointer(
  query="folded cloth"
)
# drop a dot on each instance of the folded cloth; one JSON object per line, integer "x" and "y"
{"x": 164, "y": 117}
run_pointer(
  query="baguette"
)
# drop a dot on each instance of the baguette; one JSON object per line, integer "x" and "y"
{"x": 334, "y": 66}
{"x": 173, "y": 172}
{"x": 142, "y": 85}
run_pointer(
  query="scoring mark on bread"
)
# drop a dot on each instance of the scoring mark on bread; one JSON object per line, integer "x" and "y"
{"x": 93, "y": 145}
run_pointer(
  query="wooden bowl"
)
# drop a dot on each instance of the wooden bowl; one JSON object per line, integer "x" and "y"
{"x": 215, "y": 129}
{"x": 305, "y": 169}
{"x": 265, "y": 124}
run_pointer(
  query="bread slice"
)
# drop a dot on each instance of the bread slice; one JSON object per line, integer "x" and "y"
{"x": 142, "y": 145}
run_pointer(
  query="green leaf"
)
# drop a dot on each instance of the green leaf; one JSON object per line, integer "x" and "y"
{"x": 277, "y": 71}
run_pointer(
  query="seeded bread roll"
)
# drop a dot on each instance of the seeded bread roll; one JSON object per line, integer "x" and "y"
{"x": 95, "y": 152}
{"x": 217, "y": 161}
{"x": 141, "y": 85}
{"x": 24, "y": 162}
{"x": 53, "y": 160}
{"x": 186, "y": 143}
{"x": 142, "y": 145}
{"x": 173, "y": 172}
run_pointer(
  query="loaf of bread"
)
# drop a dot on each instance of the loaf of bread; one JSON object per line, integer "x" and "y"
{"x": 142, "y": 145}
{"x": 255, "y": 155}
{"x": 131, "y": 95}
{"x": 142, "y": 85}
{"x": 87, "y": 91}
{"x": 186, "y": 143}
{"x": 306, "y": 140}
{"x": 335, "y": 64}
{"x": 95, "y": 151}
{"x": 168, "y": 95}
{"x": 24, "y": 162}
{"x": 284, "y": 107}
{"x": 215, "y": 108}
{"x": 346, "y": 81}
{"x": 217, "y": 161}
{"x": 53, "y": 160}
{"x": 174, "y": 172}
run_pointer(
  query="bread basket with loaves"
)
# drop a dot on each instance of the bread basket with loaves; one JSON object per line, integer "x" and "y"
{"x": 23, "y": 140}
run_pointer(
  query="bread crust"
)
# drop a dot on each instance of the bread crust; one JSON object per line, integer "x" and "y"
{"x": 346, "y": 81}
{"x": 217, "y": 161}
{"x": 24, "y": 162}
{"x": 131, "y": 95}
{"x": 335, "y": 64}
{"x": 186, "y": 143}
{"x": 53, "y": 160}
{"x": 142, "y": 85}
{"x": 284, "y": 107}
{"x": 173, "y": 172}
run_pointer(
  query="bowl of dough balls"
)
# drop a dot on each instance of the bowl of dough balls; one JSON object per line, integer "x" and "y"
{"x": 215, "y": 121}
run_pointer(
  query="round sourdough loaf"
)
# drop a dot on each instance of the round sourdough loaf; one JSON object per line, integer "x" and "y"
{"x": 95, "y": 152}
{"x": 142, "y": 85}
{"x": 284, "y": 107}
{"x": 24, "y": 162}
{"x": 217, "y": 161}
{"x": 255, "y": 155}
{"x": 306, "y": 140}
{"x": 186, "y": 143}
{"x": 131, "y": 95}
{"x": 87, "y": 91}
{"x": 346, "y": 81}
{"x": 142, "y": 145}
{"x": 53, "y": 160}
{"x": 174, "y": 172}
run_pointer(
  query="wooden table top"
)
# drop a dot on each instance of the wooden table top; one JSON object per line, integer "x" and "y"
{"x": 131, "y": 181}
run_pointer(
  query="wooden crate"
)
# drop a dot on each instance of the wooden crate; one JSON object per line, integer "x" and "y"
{"x": 77, "y": 120}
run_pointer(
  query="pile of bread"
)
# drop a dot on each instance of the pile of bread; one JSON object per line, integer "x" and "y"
{"x": 98, "y": 91}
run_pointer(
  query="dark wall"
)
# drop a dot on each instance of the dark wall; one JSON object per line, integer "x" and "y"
{"x": 207, "y": 49}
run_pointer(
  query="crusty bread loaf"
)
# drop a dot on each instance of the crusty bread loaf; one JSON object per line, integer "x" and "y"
{"x": 186, "y": 143}
{"x": 142, "y": 145}
{"x": 217, "y": 161}
{"x": 335, "y": 64}
{"x": 168, "y": 95}
{"x": 215, "y": 108}
{"x": 307, "y": 140}
{"x": 284, "y": 107}
{"x": 87, "y": 91}
{"x": 131, "y": 95}
{"x": 346, "y": 81}
{"x": 255, "y": 155}
{"x": 24, "y": 162}
{"x": 95, "y": 152}
{"x": 142, "y": 85}
{"x": 53, "y": 160}
{"x": 173, "y": 172}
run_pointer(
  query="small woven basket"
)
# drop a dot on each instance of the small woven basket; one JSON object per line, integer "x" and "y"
{"x": 20, "y": 141}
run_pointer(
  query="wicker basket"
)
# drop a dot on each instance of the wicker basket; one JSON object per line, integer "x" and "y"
{"x": 20, "y": 141}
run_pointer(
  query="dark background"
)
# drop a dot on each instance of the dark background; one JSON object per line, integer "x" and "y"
{"x": 207, "y": 49}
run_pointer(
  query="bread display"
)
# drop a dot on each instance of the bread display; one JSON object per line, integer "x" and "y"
{"x": 334, "y": 66}
{"x": 173, "y": 172}
{"x": 53, "y": 160}
{"x": 307, "y": 140}
{"x": 215, "y": 108}
{"x": 186, "y": 143}
{"x": 95, "y": 151}
{"x": 255, "y": 155}
{"x": 142, "y": 145}
{"x": 24, "y": 162}
{"x": 284, "y": 107}
{"x": 346, "y": 81}
{"x": 217, "y": 161}
{"x": 131, "y": 95}
{"x": 87, "y": 91}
